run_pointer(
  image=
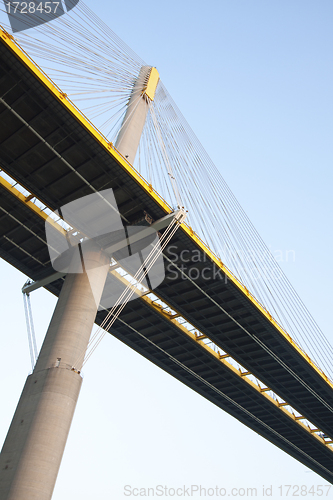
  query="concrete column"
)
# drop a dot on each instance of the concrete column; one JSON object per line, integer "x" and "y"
{"x": 130, "y": 133}
{"x": 33, "y": 449}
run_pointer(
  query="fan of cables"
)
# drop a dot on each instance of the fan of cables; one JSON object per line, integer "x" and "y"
{"x": 219, "y": 220}
{"x": 86, "y": 59}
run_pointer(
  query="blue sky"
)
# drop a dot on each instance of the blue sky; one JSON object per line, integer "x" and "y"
{"x": 254, "y": 80}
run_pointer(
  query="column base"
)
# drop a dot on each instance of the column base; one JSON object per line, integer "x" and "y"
{"x": 32, "y": 452}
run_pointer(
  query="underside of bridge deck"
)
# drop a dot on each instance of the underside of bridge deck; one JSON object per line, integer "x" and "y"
{"x": 49, "y": 151}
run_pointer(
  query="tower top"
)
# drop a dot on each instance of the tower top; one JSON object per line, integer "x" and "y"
{"x": 153, "y": 80}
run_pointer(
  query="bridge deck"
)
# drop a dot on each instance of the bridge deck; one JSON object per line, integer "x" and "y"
{"x": 39, "y": 130}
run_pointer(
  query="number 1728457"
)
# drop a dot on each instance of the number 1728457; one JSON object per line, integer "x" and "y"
{"x": 32, "y": 7}
{"x": 303, "y": 490}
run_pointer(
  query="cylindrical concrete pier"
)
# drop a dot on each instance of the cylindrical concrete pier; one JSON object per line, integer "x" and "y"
{"x": 32, "y": 452}
{"x": 33, "y": 449}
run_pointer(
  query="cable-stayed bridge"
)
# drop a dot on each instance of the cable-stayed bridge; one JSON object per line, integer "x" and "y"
{"x": 202, "y": 324}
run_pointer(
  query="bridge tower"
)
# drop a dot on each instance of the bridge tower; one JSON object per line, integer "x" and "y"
{"x": 33, "y": 449}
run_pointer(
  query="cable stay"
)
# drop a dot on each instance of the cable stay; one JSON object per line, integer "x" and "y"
{"x": 165, "y": 156}
{"x": 128, "y": 292}
{"x": 30, "y": 329}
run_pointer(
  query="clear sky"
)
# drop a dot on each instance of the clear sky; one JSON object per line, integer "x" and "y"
{"x": 254, "y": 80}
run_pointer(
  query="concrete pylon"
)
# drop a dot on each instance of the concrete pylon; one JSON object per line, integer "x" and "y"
{"x": 138, "y": 105}
{"x": 33, "y": 449}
